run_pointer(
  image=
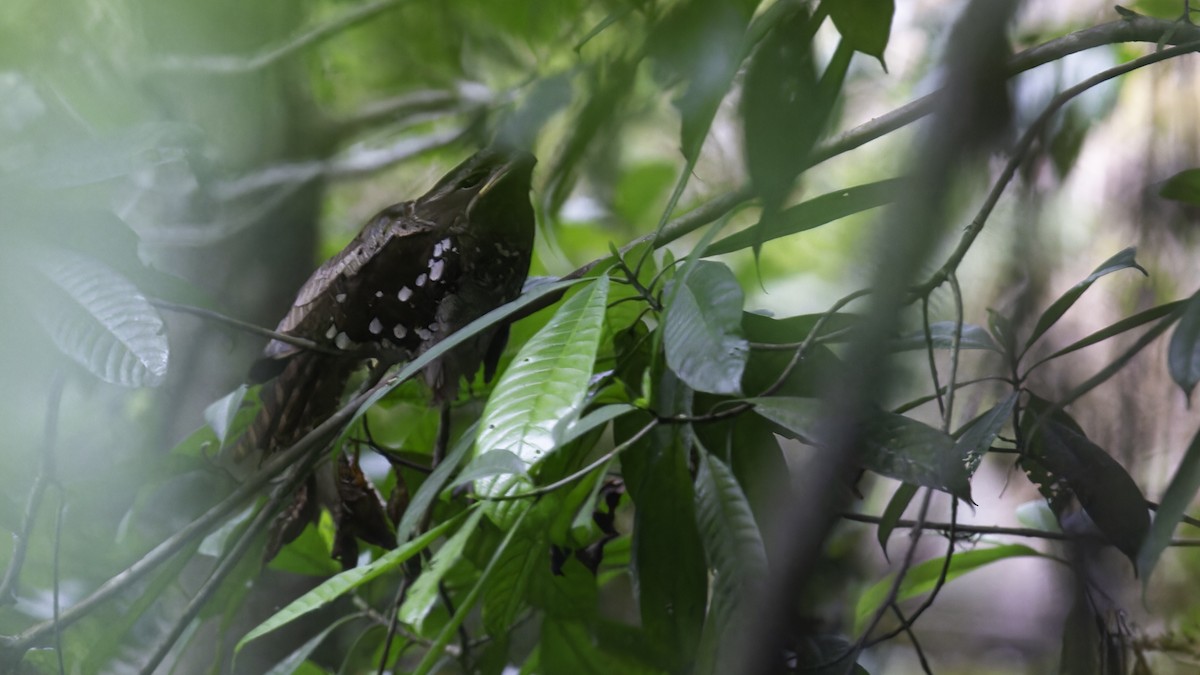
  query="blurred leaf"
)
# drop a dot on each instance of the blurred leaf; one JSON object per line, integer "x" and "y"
{"x": 1183, "y": 354}
{"x": 1183, "y": 187}
{"x": 813, "y": 213}
{"x": 942, "y": 335}
{"x": 433, "y": 485}
{"x": 640, "y": 190}
{"x": 568, "y": 593}
{"x": 101, "y": 320}
{"x": 1002, "y": 329}
{"x": 569, "y": 647}
{"x": 781, "y": 112}
{"x": 292, "y": 662}
{"x": 893, "y": 445}
{"x": 865, "y": 24}
{"x": 1120, "y": 261}
{"x": 548, "y": 380}
{"x": 735, "y": 551}
{"x": 893, "y": 513}
{"x": 702, "y": 329}
{"x": 1175, "y": 501}
{"x": 1117, "y": 328}
{"x": 233, "y": 413}
{"x": 134, "y": 148}
{"x": 1037, "y": 514}
{"x": 1063, "y": 458}
{"x": 827, "y": 654}
{"x": 424, "y": 591}
{"x": 794, "y": 329}
{"x": 333, "y": 588}
{"x": 923, "y": 578}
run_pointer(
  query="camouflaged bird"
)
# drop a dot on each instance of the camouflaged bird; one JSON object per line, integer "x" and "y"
{"x": 418, "y": 272}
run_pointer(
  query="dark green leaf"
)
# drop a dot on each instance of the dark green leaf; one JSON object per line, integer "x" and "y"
{"x": 922, "y": 578}
{"x": 702, "y": 332}
{"x": 794, "y": 329}
{"x": 101, "y": 320}
{"x": 547, "y": 381}
{"x": 1117, "y": 328}
{"x": 864, "y": 24}
{"x": 569, "y": 647}
{"x": 1179, "y": 495}
{"x": 568, "y": 433}
{"x": 291, "y": 663}
{"x": 1183, "y": 354}
{"x": 735, "y": 551}
{"x": 433, "y": 485}
{"x": 892, "y": 514}
{"x": 1061, "y": 458}
{"x": 1183, "y": 187}
{"x": 505, "y": 594}
{"x": 812, "y": 213}
{"x": 423, "y": 592}
{"x": 979, "y": 434}
{"x": 1120, "y": 261}
{"x": 942, "y": 334}
{"x": 568, "y": 593}
{"x": 893, "y": 445}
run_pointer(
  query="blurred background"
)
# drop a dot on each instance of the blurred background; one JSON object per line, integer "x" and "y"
{"x": 212, "y": 154}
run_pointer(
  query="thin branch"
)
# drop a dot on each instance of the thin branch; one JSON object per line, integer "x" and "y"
{"x": 409, "y": 104}
{"x": 246, "y": 326}
{"x": 45, "y": 475}
{"x": 992, "y": 529}
{"x": 225, "y": 64}
{"x": 909, "y": 557}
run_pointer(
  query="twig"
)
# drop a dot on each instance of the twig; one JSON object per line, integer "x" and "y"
{"x": 246, "y": 326}
{"x": 909, "y": 557}
{"x": 45, "y": 475}
{"x": 224, "y": 64}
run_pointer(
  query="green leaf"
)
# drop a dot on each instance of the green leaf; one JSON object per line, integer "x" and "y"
{"x": 865, "y": 24}
{"x": 702, "y": 331}
{"x": 1123, "y": 260}
{"x": 793, "y": 329}
{"x": 230, "y": 415}
{"x": 735, "y": 551}
{"x": 1183, "y": 187}
{"x": 87, "y": 161}
{"x": 423, "y": 593}
{"x": 893, "y": 445}
{"x": 568, "y": 593}
{"x": 1068, "y": 460}
{"x": 547, "y": 381}
{"x": 942, "y": 335}
{"x": 434, "y": 484}
{"x": 570, "y": 647}
{"x": 505, "y": 596}
{"x": 922, "y": 578}
{"x": 335, "y": 587}
{"x": 1183, "y": 354}
{"x": 892, "y": 514}
{"x": 292, "y": 662}
{"x": 568, "y": 430}
{"x": 1175, "y": 501}
{"x": 782, "y": 111}
{"x": 1115, "y": 329}
{"x": 813, "y": 213}
{"x": 492, "y": 463}
{"x": 101, "y": 320}
{"x": 979, "y": 434}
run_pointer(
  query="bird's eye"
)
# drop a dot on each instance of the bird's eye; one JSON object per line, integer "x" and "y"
{"x": 472, "y": 180}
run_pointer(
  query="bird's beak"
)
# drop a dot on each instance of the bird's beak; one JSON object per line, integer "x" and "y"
{"x": 517, "y": 161}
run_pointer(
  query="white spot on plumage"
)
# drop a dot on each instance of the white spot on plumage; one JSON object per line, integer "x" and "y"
{"x": 343, "y": 341}
{"x": 435, "y": 269}
{"x": 379, "y": 294}
{"x": 399, "y": 331}
{"x": 376, "y": 326}
{"x": 404, "y": 294}
{"x": 331, "y": 332}
{"x": 423, "y": 334}
{"x": 421, "y": 279}
{"x": 340, "y": 297}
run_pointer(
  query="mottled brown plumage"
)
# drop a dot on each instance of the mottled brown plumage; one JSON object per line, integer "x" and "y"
{"x": 418, "y": 272}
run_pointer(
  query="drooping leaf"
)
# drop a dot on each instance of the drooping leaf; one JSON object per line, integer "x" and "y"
{"x": 548, "y": 380}
{"x": 893, "y": 512}
{"x": 1128, "y": 323}
{"x": 1122, "y": 260}
{"x": 702, "y": 331}
{"x": 101, "y": 320}
{"x": 977, "y": 437}
{"x": 1181, "y": 491}
{"x": 492, "y": 463}
{"x": 864, "y": 24}
{"x": 735, "y": 551}
{"x": 812, "y": 213}
{"x": 333, "y": 588}
{"x": 423, "y": 593}
{"x": 1183, "y": 187}
{"x": 1061, "y": 460}
{"x": 782, "y": 112}
{"x": 1183, "y": 353}
{"x": 922, "y": 578}
{"x": 893, "y": 445}
{"x": 569, "y": 430}
{"x": 942, "y": 336}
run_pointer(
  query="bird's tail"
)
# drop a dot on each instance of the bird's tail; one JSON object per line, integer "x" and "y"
{"x": 305, "y": 394}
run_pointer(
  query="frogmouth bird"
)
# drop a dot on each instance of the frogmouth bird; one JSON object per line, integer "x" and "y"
{"x": 418, "y": 271}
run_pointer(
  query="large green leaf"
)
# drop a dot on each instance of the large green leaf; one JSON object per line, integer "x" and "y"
{"x": 864, "y": 24}
{"x": 1060, "y": 458}
{"x": 893, "y": 445}
{"x": 1183, "y": 354}
{"x": 922, "y": 578}
{"x": 569, "y": 647}
{"x": 333, "y": 588}
{"x": 423, "y": 593}
{"x": 1179, "y": 495}
{"x": 547, "y": 381}
{"x": 505, "y": 596}
{"x": 101, "y": 320}
{"x": 702, "y": 331}
{"x": 976, "y": 439}
{"x": 735, "y": 552}
{"x": 812, "y": 213}
{"x": 1123, "y": 260}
